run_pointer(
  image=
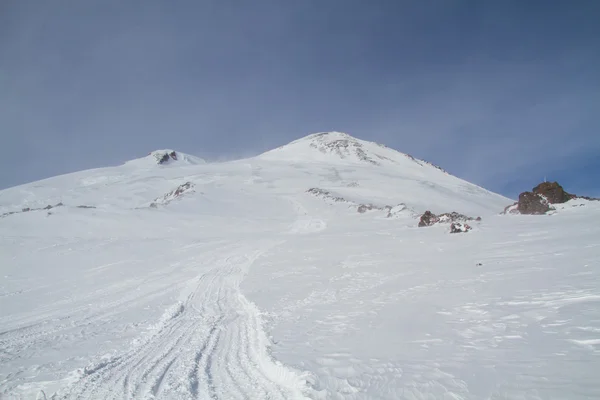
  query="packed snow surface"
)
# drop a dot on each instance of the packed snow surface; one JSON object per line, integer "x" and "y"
{"x": 234, "y": 281}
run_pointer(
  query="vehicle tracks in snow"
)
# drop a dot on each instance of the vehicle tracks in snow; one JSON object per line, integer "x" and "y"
{"x": 210, "y": 345}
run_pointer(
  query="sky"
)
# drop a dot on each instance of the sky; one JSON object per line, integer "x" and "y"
{"x": 500, "y": 93}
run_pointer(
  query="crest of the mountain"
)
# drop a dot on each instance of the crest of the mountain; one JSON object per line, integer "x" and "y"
{"x": 340, "y": 147}
{"x": 167, "y": 157}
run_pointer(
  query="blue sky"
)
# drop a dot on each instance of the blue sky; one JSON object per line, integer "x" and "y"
{"x": 501, "y": 93}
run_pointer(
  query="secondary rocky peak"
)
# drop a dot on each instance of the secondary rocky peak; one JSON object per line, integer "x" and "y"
{"x": 553, "y": 192}
{"x": 541, "y": 199}
{"x": 166, "y": 157}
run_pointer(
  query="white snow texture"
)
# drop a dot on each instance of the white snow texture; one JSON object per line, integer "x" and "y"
{"x": 260, "y": 279}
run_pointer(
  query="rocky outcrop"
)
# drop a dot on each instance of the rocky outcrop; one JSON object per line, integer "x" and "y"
{"x": 553, "y": 192}
{"x": 428, "y": 218}
{"x": 363, "y": 208}
{"x": 325, "y": 194}
{"x": 173, "y": 194}
{"x": 532, "y": 204}
{"x": 458, "y": 222}
{"x": 541, "y": 199}
{"x": 459, "y": 227}
{"x": 391, "y": 211}
{"x": 163, "y": 158}
{"x": 28, "y": 209}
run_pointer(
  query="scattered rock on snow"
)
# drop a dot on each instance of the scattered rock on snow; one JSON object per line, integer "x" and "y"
{"x": 459, "y": 227}
{"x": 28, "y": 209}
{"x": 391, "y": 211}
{"x": 363, "y": 208}
{"x": 173, "y": 194}
{"x": 395, "y": 211}
{"x": 428, "y": 218}
{"x": 326, "y": 195}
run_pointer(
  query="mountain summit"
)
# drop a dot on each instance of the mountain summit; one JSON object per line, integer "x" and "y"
{"x": 340, "y": 147}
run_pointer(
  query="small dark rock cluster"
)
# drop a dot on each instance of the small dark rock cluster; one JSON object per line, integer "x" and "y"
{"x": 428, "y": 218}
{"x": 458, "y": 222}
{"x": 28, "y": 209}
{"x": 326, "y": 194}
{"x": 459, "y": 227}
{"x": 173, "y": 194}
{"x": 360, "y": 208}
{"x": 363, "y": 208}
{"x": 541, "y": 198}
{"x": 166, "y": 157}
{"x": 182, "y": 188}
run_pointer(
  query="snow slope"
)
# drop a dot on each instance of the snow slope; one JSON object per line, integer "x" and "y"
{"x": 233, "y": 281}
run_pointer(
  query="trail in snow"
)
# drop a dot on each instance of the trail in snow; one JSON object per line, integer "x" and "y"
{"x": 211, "y": 345}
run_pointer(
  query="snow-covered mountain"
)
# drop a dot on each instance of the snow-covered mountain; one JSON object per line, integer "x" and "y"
{"x": 299, "y": 273}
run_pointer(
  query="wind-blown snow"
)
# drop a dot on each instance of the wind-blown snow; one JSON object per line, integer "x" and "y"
{"x": 250, "y": 287}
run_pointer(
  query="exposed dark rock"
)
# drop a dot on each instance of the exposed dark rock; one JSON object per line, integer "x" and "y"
{"x": 164, "y": 159}
{"x": 173, "y": 194}
{"x": 428, "y": 218}
{"x": 454, "y": 217}
{"x": 86, "y": 207}
{"x": 395, "y": 210}
{"x": 459, "y": 227}
{"x": 326, "y": 194}
{"x": 173, "y": 155}
{"x": 540, "y": 200}
{"x": 182, "y": 188}
{"x": 553, "y": 192}
{"x": 363, "y": 208}
{"x": 532, "y": 204}
{"x": 28, "y": 209}
{"x": 48, "y": 207}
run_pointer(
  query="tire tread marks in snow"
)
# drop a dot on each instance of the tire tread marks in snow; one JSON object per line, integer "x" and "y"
{"x": 210, "y": 346}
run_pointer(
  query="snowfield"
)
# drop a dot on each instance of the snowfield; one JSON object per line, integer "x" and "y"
{"x": 245, "y": 284}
